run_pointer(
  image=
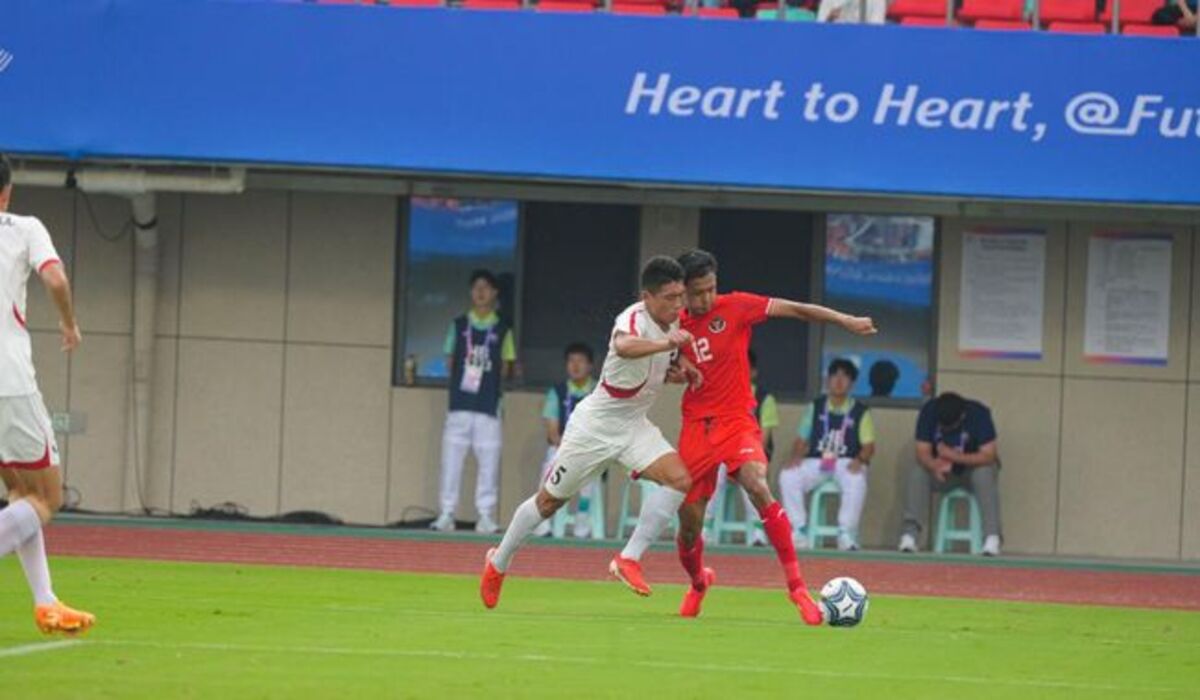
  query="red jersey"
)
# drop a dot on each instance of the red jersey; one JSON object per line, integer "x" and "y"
{"x": 721, "y": 352}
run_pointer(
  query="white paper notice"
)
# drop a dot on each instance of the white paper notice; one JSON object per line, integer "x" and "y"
{"x": 1128, "y": 316}
{"x": 1002, "y": 297}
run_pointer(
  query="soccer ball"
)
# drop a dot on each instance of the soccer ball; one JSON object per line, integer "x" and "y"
{"x": 844, "y": 601}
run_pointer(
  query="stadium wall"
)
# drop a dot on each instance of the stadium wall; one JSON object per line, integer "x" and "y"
{"x": 272, "y": 381}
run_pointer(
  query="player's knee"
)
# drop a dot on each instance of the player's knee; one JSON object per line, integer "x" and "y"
{"x": 680, "y": 481}
{"x": 46, "y": 505}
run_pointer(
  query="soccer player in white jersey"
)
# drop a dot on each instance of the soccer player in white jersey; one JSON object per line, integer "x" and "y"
{"x": 610, "y": 425}
{"x": 28, "y": 454}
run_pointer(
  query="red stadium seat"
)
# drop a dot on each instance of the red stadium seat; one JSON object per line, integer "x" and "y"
{"x": 1003, "y": 24}
{"x": 975, "y": 10}
{"x": 633, "y": 8}
{"x": 564, "y": 6}
{"x": 927, "y": 22}
{"x": 917, "y": 8}
{"x": 492, "y": 4}
{"x": 1132, "y": 11}
{"x": 1151, "y": 29}
{"x": 1077, "y": 27}
{"x": 1067, "y": 11}
{"x": 717, "y": 13}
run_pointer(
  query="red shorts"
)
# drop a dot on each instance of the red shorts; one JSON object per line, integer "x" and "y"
{"x": 706, "y": 444}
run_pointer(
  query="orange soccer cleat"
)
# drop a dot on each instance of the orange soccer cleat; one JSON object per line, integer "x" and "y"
{"x": 56, "y": 617}
{"x": 809, "y": 610}
{"x": 695, "y": 596}
{"x": 629, "y": 572}
{"x": 490, "y": 582}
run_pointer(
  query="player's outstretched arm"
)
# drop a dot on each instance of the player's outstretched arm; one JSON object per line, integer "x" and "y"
{"x": 815, "y": 313}
{"x": 54, "y": 278}
{"x": 631, "y": 347}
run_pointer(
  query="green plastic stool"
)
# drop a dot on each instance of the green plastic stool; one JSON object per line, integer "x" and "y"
{"x": 817, "y": 527}
{"x": 628, "y": 521}
{"x": 558, "y": 527}
{"x": 725, "y": 520}
{"x": 947, "y": 530}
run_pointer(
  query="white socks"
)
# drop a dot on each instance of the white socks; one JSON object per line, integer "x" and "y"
{"x": 21, "y": 531}
{"x": 657, "y": 511}
{"x": 32, "y": 553}
{"x": 522, "y": 525}
{"x": 18, "y": 522}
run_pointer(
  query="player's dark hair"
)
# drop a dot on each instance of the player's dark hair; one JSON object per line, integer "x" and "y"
{"x": 844, "y": 366}
{"x": 5, "y": 171}
{"x": 659, "y": 271}
{"x": 485, "y": 275}
{"x": 949, "y": 409}
{"x": 579, "y": 348}
{"x": 883, "y": 377}
{"x": 697, "y": 263}
{"x": 753, "y": 358}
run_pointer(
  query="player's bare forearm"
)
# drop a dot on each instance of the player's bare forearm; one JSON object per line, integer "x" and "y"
{"x": 815, "y": 313}
{"x": 59, "y": 288}
{"x": 54, "y": 278}
{"x": 631, "y": 347}
{"x": 867, "y": 452}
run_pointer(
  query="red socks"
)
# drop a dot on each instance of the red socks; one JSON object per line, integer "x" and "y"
{"x": 693, "y": 561}
{"x": 779, "y": 532}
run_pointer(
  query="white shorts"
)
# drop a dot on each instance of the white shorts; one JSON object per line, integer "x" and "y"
{"x": 26, "y": 434}
{"x": 583, "y": 455}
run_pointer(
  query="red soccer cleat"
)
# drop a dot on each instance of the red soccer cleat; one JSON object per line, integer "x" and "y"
{"x": 809, "y": 610}
{"x": 629, "y": 572}
{"x": 694, "y": 597}
{"x": 490, "y": 583}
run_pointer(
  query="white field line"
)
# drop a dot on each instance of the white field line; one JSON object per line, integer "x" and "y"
{"x": 643, "y": 663}
{"x": 27, "y": 649}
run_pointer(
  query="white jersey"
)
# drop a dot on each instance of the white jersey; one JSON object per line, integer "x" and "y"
{"x": 628, "y": 387}
{"x": 25, "y": 247}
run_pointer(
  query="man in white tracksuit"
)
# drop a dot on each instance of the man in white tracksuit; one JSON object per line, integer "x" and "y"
{"x": 480, "y": 352}
{"x": 836, "y": 440}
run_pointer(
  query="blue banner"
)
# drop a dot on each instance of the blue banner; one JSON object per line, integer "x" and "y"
{"x": 597, "y": 97}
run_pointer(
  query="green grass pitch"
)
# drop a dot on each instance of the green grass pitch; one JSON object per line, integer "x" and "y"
{"x": 172, "y": 630}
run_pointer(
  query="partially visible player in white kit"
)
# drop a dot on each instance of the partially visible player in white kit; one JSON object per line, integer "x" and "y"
{"x": 28, "y": 454}
{"x": 610, "y": 425}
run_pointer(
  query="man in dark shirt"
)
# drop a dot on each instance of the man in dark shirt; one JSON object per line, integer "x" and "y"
{"x": 956, "y": 446}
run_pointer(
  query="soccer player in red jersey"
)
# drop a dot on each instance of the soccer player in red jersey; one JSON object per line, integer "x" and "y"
{"x": 718, "y": 419}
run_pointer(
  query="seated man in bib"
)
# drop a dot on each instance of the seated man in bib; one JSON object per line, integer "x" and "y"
{"x": 560, "y": 403}
{"x": 835, "y": 440}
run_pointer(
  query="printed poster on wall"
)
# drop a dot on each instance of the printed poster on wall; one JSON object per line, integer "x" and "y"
{"x": 1128, "y": 314}
{"x": 1002, "y": 296}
